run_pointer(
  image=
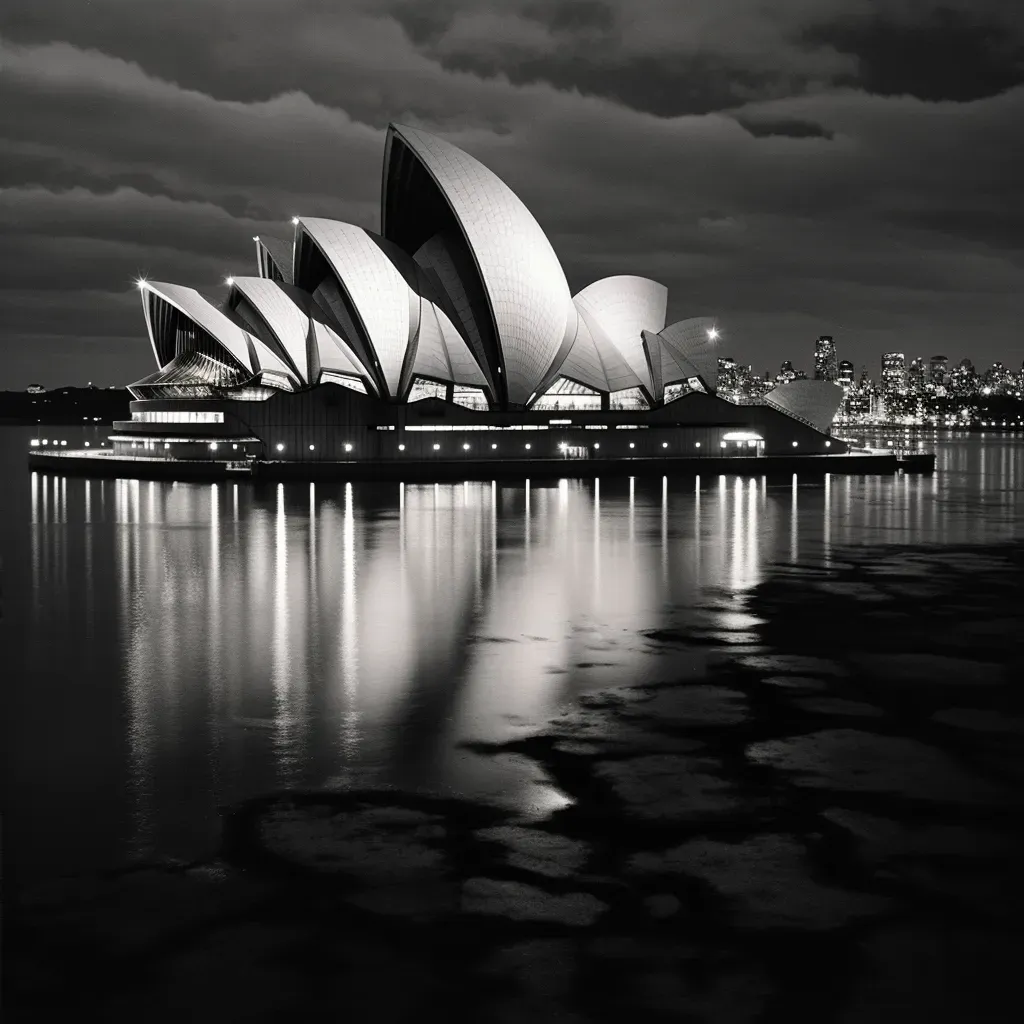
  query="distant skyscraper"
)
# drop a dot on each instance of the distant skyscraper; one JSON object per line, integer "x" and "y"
{"x": 938, "y": 369}
{"x": 786, "y": 372}
{"x": 894, "y": 371}
{"x": 825, "y": 359}
{"x": 915, "y": 376}
{"x": 845, "y": 374}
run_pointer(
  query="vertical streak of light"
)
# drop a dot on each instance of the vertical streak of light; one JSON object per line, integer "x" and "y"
{"x": 755, "y": 516}
{"x": 312, "y": 566}
{"x": 526, "y": 520}
{"x": 696, "y": 530}
{"x": 349, "y": 627}
{"x": 664, "y": 534}
{"x": 36, "y": 581}
{"x": 284, "y": 726}
{"x": 478, "y": 550}
{"x": 597, "y": 535}
{"x": 402, "y": 527}
{"x": 89, "y": 585}
{"x": 215, "y": 646}
{"x": 632, "y": 511}
{"x": 794, "y": 517}
{"x": 494, "y": 533}
{"x": 720, "y": 549}
{"x": 234, "y": 502}
{"x": 63, "y": 499}
{"x": 827, "y": 524}
{"x": 738, "y": 536}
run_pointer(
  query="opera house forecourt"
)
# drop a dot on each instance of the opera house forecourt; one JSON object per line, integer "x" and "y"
{"x": 447, "y": 343}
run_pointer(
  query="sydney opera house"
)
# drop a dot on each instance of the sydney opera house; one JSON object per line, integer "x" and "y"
{"x": 449, "y": 336}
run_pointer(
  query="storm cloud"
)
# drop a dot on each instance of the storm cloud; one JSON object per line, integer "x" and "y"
{"x": 774, "y": 165}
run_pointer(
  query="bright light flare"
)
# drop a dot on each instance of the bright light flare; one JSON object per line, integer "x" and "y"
{"x": 229, "y": 281}
{"x": 295, "y": 221}
{"x": 712, "y": 333}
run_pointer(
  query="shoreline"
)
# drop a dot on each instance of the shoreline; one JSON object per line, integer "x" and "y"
{"x": 823, "y": 827}
{"x": 103, "y": 464}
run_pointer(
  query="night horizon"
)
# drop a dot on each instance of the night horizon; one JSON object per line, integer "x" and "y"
{"x": 787, "y": 174}
{"x": 513, "y": 510}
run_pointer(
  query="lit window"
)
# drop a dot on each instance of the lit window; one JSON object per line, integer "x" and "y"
{"x": 794, "y": 443}
{"x": 64, "y": 443}
{"x": 437, "y": 447}
{"x": 664, "y": 444}
{"x": 597, "y": 445}
{"x": 213, "y": 446}
{"x": 348, "y": 447}
{"x": 167, "y": 444}
{"x": 527, "y": 446}
{"x": 722, "y": 444}
{"x": 697, "y": 445}
{"x": 34, "y": 442}
{"x": 45, "y": 441}
{"x": 401, "y": 447}
{"x": 465, "y": 447}
{"x": 234, "y": 447}
{"x": 280, "y": 447}
{"x": 493, "y": 446}
{"x": 312, "y": 447}
{"x": 631, "y": 445}
{"x": 828, "y": 444}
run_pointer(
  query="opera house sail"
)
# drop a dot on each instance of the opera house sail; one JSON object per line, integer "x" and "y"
{"x": 449, "y": 334}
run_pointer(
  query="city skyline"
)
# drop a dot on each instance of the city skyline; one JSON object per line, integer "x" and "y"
{"x": 786, "y": 170}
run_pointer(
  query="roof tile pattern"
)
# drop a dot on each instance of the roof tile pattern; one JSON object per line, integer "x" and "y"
{"x": 622, "y": 308}
{"x": 283, "y": 315}
{"x": 813, "y": 401}
{"x": 522, "y": 276}
{"x": 386, "y": 304}
{"x": 692, "y": 340}
{"x": 333, "y": 354}
{"x": 188, "y": 301}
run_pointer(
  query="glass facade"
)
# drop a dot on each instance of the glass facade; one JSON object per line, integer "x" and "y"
{"x": 422, "y": 388}
{"x": 471, "y": 398}
{"x": 629, "y": 398}
{"x": 178, "y": 416}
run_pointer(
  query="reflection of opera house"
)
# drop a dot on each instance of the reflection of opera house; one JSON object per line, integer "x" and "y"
{"x": 449, "y": 337}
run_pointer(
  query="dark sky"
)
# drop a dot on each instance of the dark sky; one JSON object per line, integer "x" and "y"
{"x": 793, "y": 168}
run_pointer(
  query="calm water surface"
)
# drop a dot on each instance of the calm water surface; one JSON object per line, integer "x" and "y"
{"x": 170, "y": 648}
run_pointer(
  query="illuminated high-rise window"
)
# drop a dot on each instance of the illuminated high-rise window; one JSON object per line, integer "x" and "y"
{"x": 825, "y": 367}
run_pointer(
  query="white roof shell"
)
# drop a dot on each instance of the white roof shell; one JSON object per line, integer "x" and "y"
{"x": 441, "y": 352}
{"x": 288, "y": 322}
{"x": 330, "y": 352}
{"x": 815, "y": 402}
{"x": 690, "y": 340}
{"x": 387, "y": 306}
{"x": 617, "y": 310}
{"x": 188, "y": 301}
{"x": 522, "y": 277}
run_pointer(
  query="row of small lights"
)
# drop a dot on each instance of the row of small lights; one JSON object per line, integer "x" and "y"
{"x": 348, "y": 447}
{"x": 563, "y": 446}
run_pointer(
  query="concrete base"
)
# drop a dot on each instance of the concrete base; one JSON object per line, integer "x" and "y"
{"x": 103, "y": 464}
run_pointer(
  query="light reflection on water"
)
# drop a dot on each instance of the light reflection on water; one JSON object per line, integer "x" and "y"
{"x": 180, "y": 646}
